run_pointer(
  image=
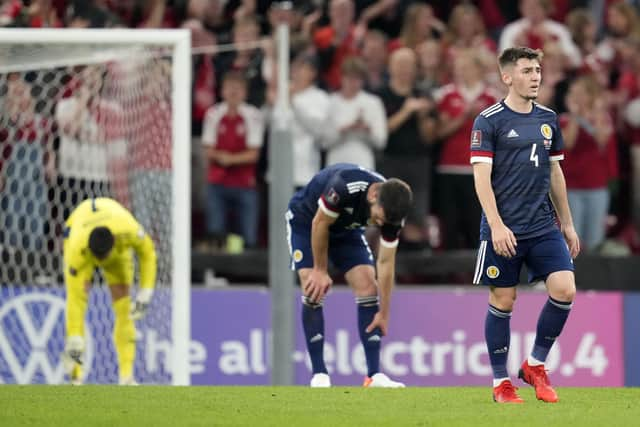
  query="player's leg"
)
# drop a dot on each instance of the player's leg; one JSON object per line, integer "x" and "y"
{"x": 597, "y": 207}
{"x": 501, "y": 275}
{"x": 216, "y": 219}
{"x": 119, "y": 276}
{"x": 247, "y": 202}
{"x": 578, "y": 211}
{"x": 352, "y": 254}
{"x": 299, "y": 240}
{"x": 549, "y": 259}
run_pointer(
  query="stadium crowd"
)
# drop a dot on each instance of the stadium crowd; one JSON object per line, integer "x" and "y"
{"x": 393, "y": 85}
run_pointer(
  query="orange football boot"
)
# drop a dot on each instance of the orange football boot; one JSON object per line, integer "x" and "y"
{"x": 537, "y": 377}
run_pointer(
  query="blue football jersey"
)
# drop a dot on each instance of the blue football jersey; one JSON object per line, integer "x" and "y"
{"x": 520, "y": 148}
{"x": 340, "y": 191}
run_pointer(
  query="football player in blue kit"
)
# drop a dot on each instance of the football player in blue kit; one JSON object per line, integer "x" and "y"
{"x": 325, "y": 222}
{"x": 516, "y": 148}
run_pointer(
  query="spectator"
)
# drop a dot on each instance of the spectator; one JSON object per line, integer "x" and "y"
{"x": 419, "y": 24}
{"x": 310, "y": 107}
{"x": 232, "y": 135}
{"x": 459, "y": 103}
{"x": 336, "y": 42}
{"x": 27, "y": 147}
{"x": 357, "y": 123}
{"x": 535, "y": 29}
{"x": 433, "y": 70}
{"x": 245, "y": 59}
{"x": 583, "y": 29}
{"x": 632, "y": 118}
{"x": 556, "y": 78}
{"x": 374, "y": 55}
{"x": 82, "y": 155}
{"x": 591, "y": 159}
{"x": 411, "y": 121}
{"x": 622, "y": 21}
{"x": 466, "y": 30}
{"x": 38, "y": 14}
{"x": 204, "y": 80}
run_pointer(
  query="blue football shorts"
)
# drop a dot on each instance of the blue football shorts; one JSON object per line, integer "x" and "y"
{"x": 542, "y": 255}
{"x": 347, "y": 249}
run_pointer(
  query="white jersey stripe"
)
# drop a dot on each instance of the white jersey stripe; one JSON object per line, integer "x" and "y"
{"x": 494, "y": 112}
{"x": 356, "y": 184}
{"x": 489, "y": 109}
{"x": 542, "y": 107}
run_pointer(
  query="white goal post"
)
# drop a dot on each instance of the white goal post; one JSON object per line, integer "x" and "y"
{"x": 30, "y": 50}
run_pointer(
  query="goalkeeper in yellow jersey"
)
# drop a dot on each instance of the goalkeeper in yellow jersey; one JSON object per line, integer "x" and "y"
{"x": 101, "y": 233}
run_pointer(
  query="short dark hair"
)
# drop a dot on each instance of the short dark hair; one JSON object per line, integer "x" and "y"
{"x": 395, "y": 197}
{"x": 101, "y": 241}
{"x": 510, "y": 55}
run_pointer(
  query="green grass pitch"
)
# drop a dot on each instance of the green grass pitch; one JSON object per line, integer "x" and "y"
{"x": 301, "y": 406}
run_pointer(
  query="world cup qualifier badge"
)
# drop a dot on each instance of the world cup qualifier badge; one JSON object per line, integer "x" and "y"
{"x": 476, "y": 138}
{"x": 332, "y": 197}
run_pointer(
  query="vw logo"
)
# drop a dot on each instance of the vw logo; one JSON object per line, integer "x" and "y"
{"x": 32, "y": 339}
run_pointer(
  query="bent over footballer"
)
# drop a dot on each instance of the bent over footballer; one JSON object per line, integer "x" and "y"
{"x": 326, "y": 221}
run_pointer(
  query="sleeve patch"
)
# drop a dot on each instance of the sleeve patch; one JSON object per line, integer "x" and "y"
{"x": 332, "y": 196}
{"x": 476, "y": 138}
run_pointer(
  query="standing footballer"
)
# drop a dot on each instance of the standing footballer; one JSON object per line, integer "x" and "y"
{"x": 325, "y": 222}
{"x": 516, "y": 148}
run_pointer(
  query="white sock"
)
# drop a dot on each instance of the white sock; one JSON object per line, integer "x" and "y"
{"x": 498, "y": 381}
{"x": 532, "y": 361}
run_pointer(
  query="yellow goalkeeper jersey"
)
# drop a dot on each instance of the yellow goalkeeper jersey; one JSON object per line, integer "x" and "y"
{"x": 127, "y": 232}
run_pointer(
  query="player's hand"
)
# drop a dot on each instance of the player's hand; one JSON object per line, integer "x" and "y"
{"x": 74, "y": 349}
{"x": 317, "y": 285}
{"x": 572, "y": 239}
{"x": 504, "y": 241}
{"x": 139, "y": 310}
{"x": 140, "y": 307}
{"x": 379, "y": 321}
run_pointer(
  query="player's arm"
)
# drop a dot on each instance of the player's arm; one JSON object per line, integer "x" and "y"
{"x": 561, "y": 204}
{"x": 482, "y": 151}
{"x": 386, "y": 272}
{"x": 147, "y": 260}
{"x": 244, "y": 157}
{"x": 319, "y": 281}
{"x": 503, "y": 239}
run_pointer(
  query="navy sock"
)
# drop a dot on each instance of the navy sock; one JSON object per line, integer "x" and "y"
{"x": 552, "y": 318}
{"x": 313, "y": 325}
{"x": 367, "y": 309}
{"x": 497, "y": 333}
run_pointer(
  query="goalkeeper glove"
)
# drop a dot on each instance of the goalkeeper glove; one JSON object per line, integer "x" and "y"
{"x": 141, "y": 305}
{"x": 73, "y": 351}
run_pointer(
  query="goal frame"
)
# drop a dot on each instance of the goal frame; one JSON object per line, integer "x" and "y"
{"x": 180, "y": 43}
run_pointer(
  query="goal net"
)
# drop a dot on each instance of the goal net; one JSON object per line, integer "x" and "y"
{"x": 92, "y": 113}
